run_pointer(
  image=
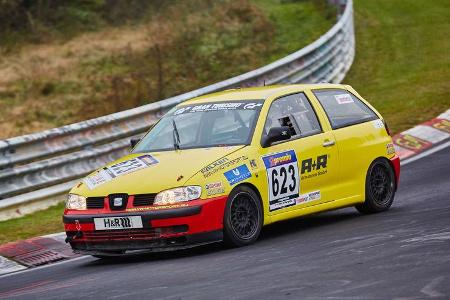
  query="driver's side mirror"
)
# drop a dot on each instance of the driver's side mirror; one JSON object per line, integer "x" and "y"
{"x": 134, "y": 141}
{"x": 276, "y": 134}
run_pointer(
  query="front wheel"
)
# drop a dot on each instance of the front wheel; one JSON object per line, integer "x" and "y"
{"x": 243, "y": 218}
{"x": 380, "y": 188}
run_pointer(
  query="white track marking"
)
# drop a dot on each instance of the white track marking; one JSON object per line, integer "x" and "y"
{"x": 46, "y": 266}
{"x": 8, "y": 266}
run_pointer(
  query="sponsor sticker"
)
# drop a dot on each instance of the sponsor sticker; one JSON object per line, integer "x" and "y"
{"x": 390, "y": 149}
{"x": 253, "y": 164}
{"x": 237, "y": 174}
{"x": 219, "y": 106}
{"x": 314, "y": 167}
{"x": 108, "y": 173}
{"x": 221, "y": 164}
{"x": 305, "y": 198}
{"x": 214, "y": 188}
{"x": 377, "y": 124}
{"x": 283, "y": 179}
{"x": 156, "y": 207}
{"x": 343, "y": 98}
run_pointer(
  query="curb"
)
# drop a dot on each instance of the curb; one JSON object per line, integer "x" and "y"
{"x": 38, "y": 251}
{"x": 34, "y": 252}
{"x": 423, "y": 136}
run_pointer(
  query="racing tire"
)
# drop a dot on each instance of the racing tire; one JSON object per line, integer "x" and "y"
{"x": 243, "y": 217}
{"x": 380, "y": 188}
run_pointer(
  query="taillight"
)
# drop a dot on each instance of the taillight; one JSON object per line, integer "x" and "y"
{"x": 387, "y": 127}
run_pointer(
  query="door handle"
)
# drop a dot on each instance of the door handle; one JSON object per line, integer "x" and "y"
{"x": 328, "y": 143}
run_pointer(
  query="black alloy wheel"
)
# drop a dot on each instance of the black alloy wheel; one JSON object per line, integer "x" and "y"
{"x": 243, "y": 217}
{"x": 380, "y": 187}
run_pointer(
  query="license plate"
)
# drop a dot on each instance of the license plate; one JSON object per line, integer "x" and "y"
{"x": 118, "y": 223}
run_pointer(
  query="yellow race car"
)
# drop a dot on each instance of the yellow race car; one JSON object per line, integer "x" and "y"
{"x": 221, "y": 166}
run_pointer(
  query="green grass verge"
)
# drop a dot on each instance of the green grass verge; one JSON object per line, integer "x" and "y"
{"x": 402, "y": 63}
{"x": 36, "y": 224}
{"x": 297, "y": 23}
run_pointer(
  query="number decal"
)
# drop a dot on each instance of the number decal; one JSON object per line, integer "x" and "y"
{"x": 284, "y": 174}
{"x": 283, "y": 179}
{"x": 294, "y": 179}
{"x": 275, "y": 184}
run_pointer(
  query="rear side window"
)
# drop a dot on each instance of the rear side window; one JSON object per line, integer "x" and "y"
{"x": 343, "y": 108}
{"x": 296, "y": 112}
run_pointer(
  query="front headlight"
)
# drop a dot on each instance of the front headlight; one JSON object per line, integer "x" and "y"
{"x": 181, "y": 194}
{"x": 76, "y": 202}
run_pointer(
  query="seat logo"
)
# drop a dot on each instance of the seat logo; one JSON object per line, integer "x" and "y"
{"x": 118, "y": 202}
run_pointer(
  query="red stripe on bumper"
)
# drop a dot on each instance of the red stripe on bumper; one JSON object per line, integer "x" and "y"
{"x": 396, "y": 164}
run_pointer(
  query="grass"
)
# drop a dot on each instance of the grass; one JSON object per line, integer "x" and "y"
{"x": 297, "y": 23}
{"x": 402, "y": 63}
{"x": 36, "y": 224}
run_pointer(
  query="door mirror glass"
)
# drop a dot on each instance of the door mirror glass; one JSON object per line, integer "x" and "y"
{"x": 276, "y": 134}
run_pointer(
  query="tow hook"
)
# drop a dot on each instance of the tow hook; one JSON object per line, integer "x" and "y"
{"x": 77, "y": 235}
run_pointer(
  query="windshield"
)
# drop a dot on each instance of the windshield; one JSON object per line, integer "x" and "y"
{"x": 203, "y": 125}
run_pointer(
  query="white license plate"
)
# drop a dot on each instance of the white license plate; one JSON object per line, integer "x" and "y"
{"x": 118, "y": 223}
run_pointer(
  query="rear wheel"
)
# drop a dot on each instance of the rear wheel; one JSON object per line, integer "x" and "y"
{"x": 243, "y": 218}
{"x": 380, "y": 188}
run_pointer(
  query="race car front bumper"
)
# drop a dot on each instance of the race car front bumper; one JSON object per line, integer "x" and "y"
{"x": 175, "y": 227}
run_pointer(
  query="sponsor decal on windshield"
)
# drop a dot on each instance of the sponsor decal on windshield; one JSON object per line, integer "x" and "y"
{"x": 237, "y": 174}
{"x": 108, "y": 173}
{"x": 343, "y": 99}
{"x": 219, "y": 106}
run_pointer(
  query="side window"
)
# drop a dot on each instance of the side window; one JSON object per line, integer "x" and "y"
{"x": 296, "y": 112}
{"x": 343, "y": 108}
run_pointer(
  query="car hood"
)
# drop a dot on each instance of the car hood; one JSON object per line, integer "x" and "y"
{"x": 160, "y": 171}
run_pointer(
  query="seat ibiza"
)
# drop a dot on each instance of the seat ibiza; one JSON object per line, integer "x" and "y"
{"x": 222, "y": 166}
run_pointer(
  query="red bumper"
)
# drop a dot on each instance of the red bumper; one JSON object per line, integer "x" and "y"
{"x": 175, "y": 226}
{"x": 396, "y": 164}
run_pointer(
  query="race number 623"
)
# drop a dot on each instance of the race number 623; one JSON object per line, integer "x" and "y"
{"x": 283, "y": 178}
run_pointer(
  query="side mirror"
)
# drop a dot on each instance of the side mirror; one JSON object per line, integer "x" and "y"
{"x": 134, "y": 141}
{"x": 276, "y": 134}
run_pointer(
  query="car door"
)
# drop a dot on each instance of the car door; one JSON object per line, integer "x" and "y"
{"x": 303, "y": 170}
{"x": 360, "y": 135}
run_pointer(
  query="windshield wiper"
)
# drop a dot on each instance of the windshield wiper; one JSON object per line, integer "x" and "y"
{"x": 176, "y": 136}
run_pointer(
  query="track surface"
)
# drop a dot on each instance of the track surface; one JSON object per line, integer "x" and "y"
{"x": 403, "y": 253}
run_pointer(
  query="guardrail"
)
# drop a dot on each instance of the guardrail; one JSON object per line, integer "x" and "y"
{"x": 37, "y": 169}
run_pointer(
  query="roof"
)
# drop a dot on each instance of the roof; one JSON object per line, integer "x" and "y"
{"x": 257, "y": 93}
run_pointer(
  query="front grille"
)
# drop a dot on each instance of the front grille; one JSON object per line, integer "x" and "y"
{"x": 144, "y": 199}
{"x": 95, "y": 202}
{"x": 131, "y": 234}
{"x": 140, "y": 234}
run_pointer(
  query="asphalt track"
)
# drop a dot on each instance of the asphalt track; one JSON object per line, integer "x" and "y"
{"x": 403, "y": 253}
